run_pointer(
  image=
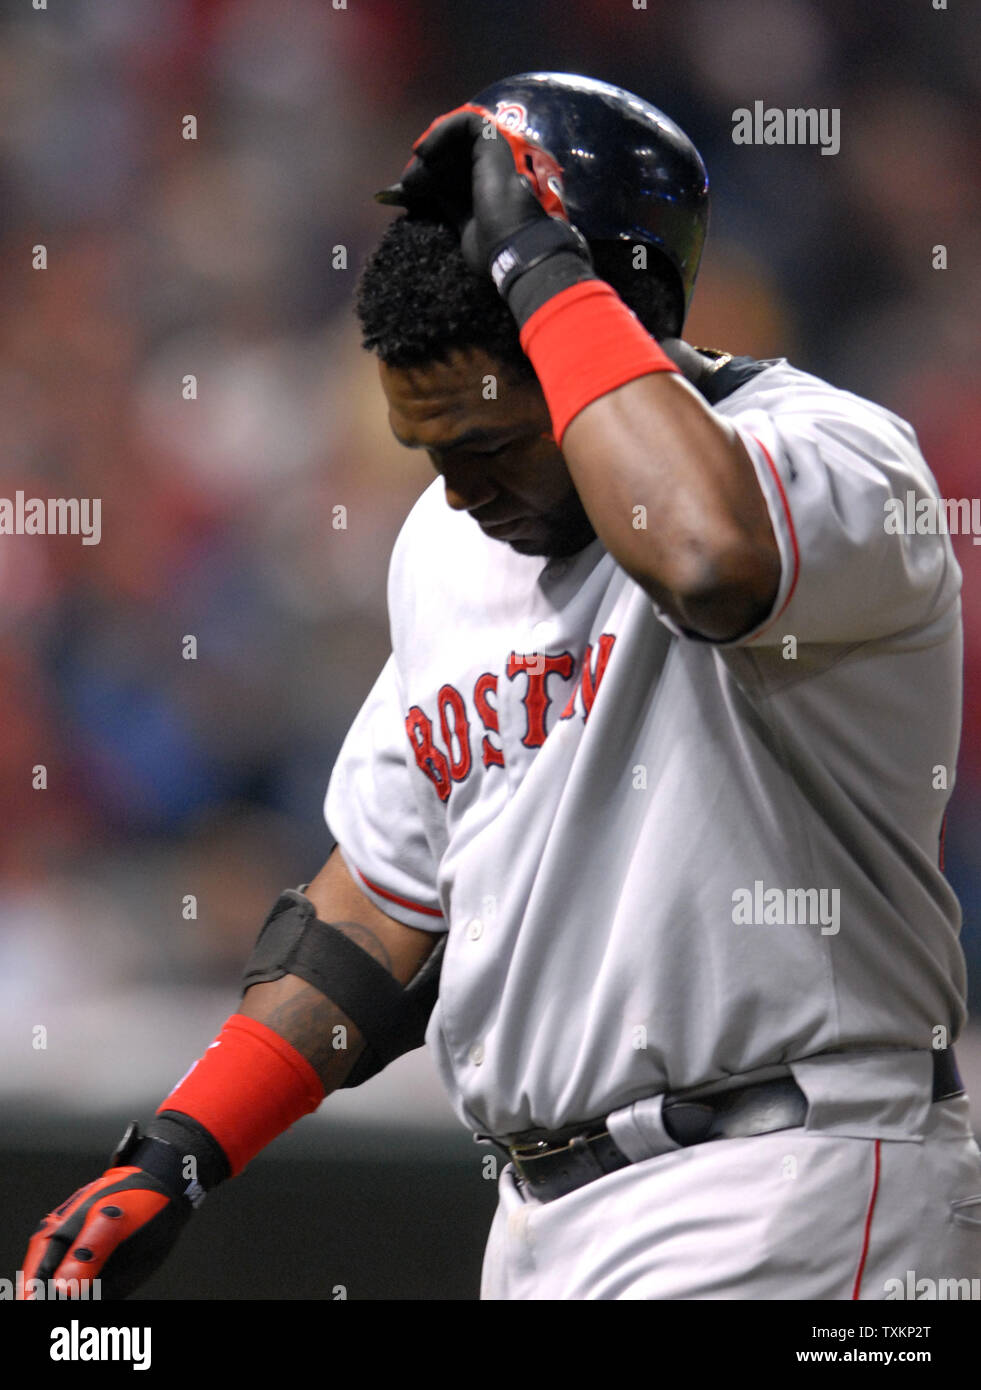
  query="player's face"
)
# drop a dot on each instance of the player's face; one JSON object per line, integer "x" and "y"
{"x": 497, "y": 457}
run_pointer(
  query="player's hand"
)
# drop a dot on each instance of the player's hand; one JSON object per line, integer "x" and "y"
{"x": 486, "y": 180}
{"x": 117, "y": 1229}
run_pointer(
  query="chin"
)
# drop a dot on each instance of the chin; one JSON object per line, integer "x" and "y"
{"x": 532, "y": 547}
{"x": 554, "y": 545}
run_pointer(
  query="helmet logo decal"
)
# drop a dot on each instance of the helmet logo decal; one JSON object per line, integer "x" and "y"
{"x": 512, "y": 115}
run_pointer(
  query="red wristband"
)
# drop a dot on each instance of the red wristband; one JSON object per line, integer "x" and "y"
{"x": 584, "y": 342}
{"x": 249, "y": 1086}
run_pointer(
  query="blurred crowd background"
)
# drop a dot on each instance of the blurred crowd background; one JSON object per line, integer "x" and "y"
{"x": 167, "y": 257}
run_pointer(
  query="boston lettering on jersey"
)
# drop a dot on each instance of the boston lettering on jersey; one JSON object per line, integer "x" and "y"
{"x": 451, "y": 760}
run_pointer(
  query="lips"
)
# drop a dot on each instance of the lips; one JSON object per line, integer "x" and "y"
{"x": 510, "y": 532}
{"x": 505, "y": 525}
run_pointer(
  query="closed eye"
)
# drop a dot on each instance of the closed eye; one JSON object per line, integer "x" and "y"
{"x": 436, "y": 456}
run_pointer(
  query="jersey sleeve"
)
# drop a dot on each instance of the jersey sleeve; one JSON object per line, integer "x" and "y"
{"x": 836, "y": 474}
{"x": 372, "y": 814}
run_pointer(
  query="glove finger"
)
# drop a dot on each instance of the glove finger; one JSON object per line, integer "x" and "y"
{"x": 47, "y": 1248}
{"x": 422, "y": 188}
{"x": 37, "y": 1248}
{"x": 448, "y": 156}
{"x": 424, "y": 195}
{"x": 411, "y": 188}
{"x": 447, "y": 149}
{"x": 540, "y": 171}
{"x": 120, "y": 1250}
{"x": 427, "y": 197}
{"x": 135, "y": 1193}
{"x": 103, "y": 1232}
{"x": 450, "y": 138}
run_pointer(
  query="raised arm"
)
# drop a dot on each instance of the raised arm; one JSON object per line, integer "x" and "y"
{"x": 666, "y": 483}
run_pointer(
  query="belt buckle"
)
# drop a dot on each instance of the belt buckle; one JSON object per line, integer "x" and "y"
{"x": 523, "y": 1153}
{"x": 575, "y": 1146}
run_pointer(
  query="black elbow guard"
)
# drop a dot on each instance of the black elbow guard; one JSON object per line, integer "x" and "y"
{"x": 391, "y": 1018}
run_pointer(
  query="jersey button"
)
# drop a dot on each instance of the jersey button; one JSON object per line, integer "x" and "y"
{"x": 475, "y": 929}
{"x": 477, "y": 1054}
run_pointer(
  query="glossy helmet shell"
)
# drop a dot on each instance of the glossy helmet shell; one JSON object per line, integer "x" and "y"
{"x": 629, "y": 173}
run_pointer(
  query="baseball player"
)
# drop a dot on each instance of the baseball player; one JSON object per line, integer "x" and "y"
{"x": 640, "y": 825}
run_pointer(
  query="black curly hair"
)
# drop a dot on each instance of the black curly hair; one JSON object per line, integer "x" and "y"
{"x": 417, "y": 298}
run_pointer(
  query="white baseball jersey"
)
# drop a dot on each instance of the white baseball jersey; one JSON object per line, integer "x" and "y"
{"x": 665, "y": 861}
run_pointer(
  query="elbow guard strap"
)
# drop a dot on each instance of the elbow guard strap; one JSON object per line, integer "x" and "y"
{"x": 391, "y": 1018}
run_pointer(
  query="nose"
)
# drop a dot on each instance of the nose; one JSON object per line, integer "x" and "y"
{"x": 467, "y": 489}
{"x": 467, "y": 503}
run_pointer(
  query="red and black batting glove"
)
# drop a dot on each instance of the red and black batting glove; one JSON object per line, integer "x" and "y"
{"x": 119, "y": 1228}
{"x": 503, "y": 193}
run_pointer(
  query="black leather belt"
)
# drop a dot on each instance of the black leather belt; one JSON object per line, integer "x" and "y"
{"x": 559, "y": 1163}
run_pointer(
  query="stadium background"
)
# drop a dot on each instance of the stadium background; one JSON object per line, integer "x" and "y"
{"x": 214, "y": 257}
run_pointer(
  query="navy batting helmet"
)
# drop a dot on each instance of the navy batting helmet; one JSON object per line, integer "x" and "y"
{"x": 629, "y": 173}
